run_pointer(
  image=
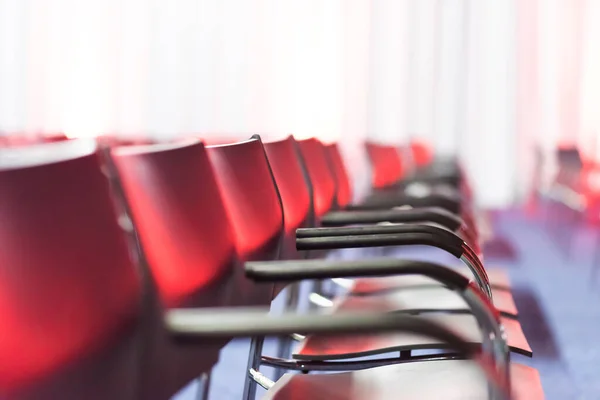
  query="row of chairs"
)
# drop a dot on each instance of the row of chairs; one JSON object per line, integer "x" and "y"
{"x": 126, "y": 269}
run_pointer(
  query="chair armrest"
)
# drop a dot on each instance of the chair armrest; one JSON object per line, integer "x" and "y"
{"x": 428, "y": 214}
{"x": 391, "y": 198}
{"x": 231, "y": 323}
{"x": 481, "y": 307}
{"x": 295, "y": 270}
{"x": 410, "y": 235}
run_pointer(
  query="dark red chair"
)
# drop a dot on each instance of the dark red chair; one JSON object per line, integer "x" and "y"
{"x": 293, "y": 188}
{"x": 340, "y": 175}
{"x": 189, "y": 246}
{"x": 386, "y": 165}
{"x": 244, "y": 162}
{"x": 437, "y": 186}
{"x": 323, "y": 185}
{"x": 315, "y": 162}
{"x": 327, "y": 174}
{"x": 54, "y": 137}
{"x": 250, "y": 197}
{"x": 423, "y": 212}
{"x": 70, "y": 296}
{"x": 421, "y": 152}
{"x": 323, "y": 348}
{"x": 196, "y": 206}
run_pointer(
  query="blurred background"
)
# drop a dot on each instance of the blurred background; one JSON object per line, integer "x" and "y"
{"x": 489, "y": 80}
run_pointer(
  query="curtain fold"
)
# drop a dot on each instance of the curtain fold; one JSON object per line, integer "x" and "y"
{"x": 487, "y": 80}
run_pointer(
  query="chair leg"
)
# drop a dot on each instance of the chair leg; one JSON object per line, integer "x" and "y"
{"x": 203, "y": 387}
{"x": 256, "y": 346}
{"x": 317, "y": 287}
{"x": 284, "y": 344}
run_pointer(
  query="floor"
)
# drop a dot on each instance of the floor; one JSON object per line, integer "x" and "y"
{"x": 550, "y": 261}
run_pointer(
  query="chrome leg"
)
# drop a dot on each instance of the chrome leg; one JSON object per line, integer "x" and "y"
{"x": 203, "y": 387}
{"x": 256, "y": 346}
{"x": 317, "y": 288}
{"x": 285, "y": 343}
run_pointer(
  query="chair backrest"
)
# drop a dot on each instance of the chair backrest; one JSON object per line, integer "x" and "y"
{"x": 340, "y": 173}
{"x": 291, "y": 182}
{"x": 320, "y": 174}
{"x": 180, "y": 219}
{"x": 386, "y": 164}
{"x": 54, "y": 137}
{"x": 17, "y": 139}
{"x": 68, "y": 285}
{"x": 250, "y": 197}
{"x": 421, "y": 152}
{"x": 294, "y": 189}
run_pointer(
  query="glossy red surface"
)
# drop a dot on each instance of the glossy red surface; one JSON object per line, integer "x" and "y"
{"x": 421, "y": 152}
{"x": 320, "y": 174}
{"x": 179, "y": 216}
{"x": 291, "y": 182}
{"x": 342, "y": 180}
{"x": 249, "y": 195}
{"x": 67, "y": 283}
{"x": 386, "y": 164}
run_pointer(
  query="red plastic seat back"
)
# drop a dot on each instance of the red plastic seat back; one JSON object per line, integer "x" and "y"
{"x": 250, "y": 197}
{"x": 344, "y": 188}
{"x": 67, "y": 282}
{"x": 178, "y": 212}
{"x": 291, "y": 181}
{"x": 320, "y": 174}
{"x": 421, "y": 153}
{"x": 54, "y": 137}
{"x": 19, "y": 140}
{"x": 386, "y": 164}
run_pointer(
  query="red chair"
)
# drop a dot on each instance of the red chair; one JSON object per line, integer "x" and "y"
{"x": 386, "y": 166}
{"x": 189, "y": 247}
{"x": 324, "y": 167}
{"x": 421, "y": 153}
{"x": 393, "y": 186}
{"x": 315, "y": 164}
{"x": 322, "y": 184}
{"x": 316, "y": 167}
{"x": 465, "y": 228}
{"x": 201, "y": 207}
{"x": 250, "y": 197}
{"x": 340, "y": 175}
{"x": 70, "y": 296}
{"x": 285, "y": 163}
{"x": 54, "y": 137}
{"x": 293, "y": 188}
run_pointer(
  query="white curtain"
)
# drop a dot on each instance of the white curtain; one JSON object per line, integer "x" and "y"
{"x": 484, "y": 79}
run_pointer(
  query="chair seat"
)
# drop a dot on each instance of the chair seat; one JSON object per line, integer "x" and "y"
{"x": 325, "y": 347}
{"x": 423, "y": 299}
{"x": 444, "y": 379}
{"x": 499, "y": 280}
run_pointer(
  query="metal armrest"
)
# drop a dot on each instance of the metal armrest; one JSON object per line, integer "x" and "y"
{"x": 197, "y": 325}
{"x": 294, "y": 270}
{"x": 483, "y": 310}
{"x": 391, "y": 198}
{"x": 427, "y": 214}
{"x": 408, "y": 235}
{"x": 357, "y": 230}
{"x": 238, "y": 322}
